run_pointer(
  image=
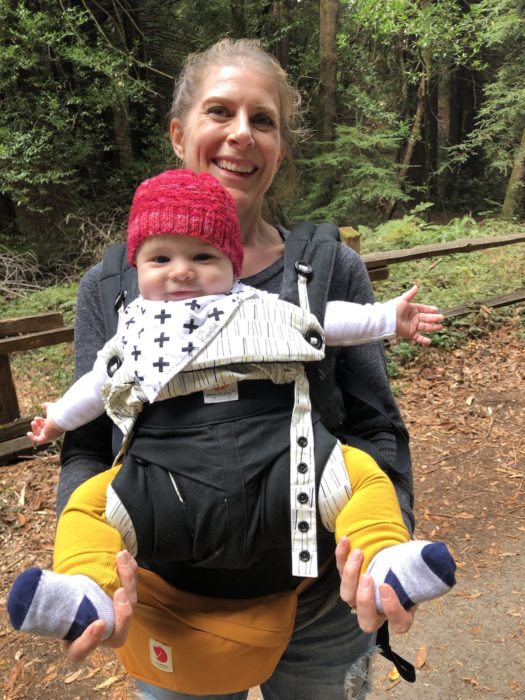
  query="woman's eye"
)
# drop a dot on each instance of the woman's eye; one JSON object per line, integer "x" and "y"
{"x": 263, "y": 120}
{"x": 218, "y": 111}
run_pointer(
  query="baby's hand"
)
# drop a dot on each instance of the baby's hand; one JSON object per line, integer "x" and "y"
{"x": 44, "y": 429}
{"x": 413, "y": 320}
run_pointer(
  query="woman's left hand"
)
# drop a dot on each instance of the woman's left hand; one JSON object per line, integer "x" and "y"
{"x": 357, "y": 590}
{"x": 124, "y": 600}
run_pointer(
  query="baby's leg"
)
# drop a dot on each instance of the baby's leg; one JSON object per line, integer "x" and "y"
{"x": 146, "y": 506}
{"x": 372, "y": 521}
{"x": 63, "y": 602}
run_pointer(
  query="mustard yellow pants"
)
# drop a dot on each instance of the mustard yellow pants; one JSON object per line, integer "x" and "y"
{"x": 87, "y": 544}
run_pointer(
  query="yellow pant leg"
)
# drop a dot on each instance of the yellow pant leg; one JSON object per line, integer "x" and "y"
{"x": 85, "y": 543}
{"x": 372, "y": 517}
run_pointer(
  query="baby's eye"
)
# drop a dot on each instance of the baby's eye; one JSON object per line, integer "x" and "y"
{"x": 161, "y": 259}
{"x": 203, "y": 257}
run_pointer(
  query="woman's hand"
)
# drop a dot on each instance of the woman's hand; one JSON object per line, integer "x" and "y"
{"x": 358, "y": 591}
{"x": 124, "y": 601}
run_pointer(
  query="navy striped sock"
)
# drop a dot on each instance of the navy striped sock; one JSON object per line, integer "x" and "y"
{"x": 57, "y": 605}
{"x": 418, "y": 570}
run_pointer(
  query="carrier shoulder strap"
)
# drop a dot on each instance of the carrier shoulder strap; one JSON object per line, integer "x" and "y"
{"x": 354, "y": 386}
{"x": 317, "y": 246}
{"x": 117, "y": 283}
{"x": 313, "y": 249}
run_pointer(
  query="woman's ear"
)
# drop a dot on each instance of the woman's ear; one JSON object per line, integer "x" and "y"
{"x": 282, "y": 156}
{"x": 177, "y": 138}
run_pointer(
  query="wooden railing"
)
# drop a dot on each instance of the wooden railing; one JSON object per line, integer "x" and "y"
{"x": 17, "y": 335}
{"x": 377, "y": 265}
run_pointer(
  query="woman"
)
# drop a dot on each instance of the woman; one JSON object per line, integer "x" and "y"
{"x": 232, "y": 115}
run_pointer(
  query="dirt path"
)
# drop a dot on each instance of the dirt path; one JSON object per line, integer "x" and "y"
{"x": 466, "y": 414}
{"x": 467, "y": 425}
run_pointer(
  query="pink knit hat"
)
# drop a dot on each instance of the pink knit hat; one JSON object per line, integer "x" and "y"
{"x": 184, "y": 203}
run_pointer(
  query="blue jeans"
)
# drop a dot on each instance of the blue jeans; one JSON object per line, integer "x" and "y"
{"x": 326, "y": 659}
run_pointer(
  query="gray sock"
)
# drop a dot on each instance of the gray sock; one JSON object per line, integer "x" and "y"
{"x": 57, "y": 605}
{"x": 416, "y": 570}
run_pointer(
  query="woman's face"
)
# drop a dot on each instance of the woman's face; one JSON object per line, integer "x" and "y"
{"x": 233, "y": 132}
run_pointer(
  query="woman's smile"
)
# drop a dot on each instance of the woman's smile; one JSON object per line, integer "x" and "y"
{"x": 235, "y": 166}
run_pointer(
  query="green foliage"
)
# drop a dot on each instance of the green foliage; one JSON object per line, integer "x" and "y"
{"x": 81, "y": 82}
{"x": 449, "y": 281}
{"x": 500, "y": 119}
{"x": 349, "y": 180}
{"x": 442, "y": 30}
{"x": 412, "y": 230}
{"x": 61, "y": 298}
{"x": 60, "y": 81}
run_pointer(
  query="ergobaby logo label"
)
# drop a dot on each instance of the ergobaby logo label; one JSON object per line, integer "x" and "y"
{"x": 228, "y": 392}
{"x": 160, "y": 656}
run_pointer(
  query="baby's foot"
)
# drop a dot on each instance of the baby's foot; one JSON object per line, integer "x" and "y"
{"x": 57, "y": 605}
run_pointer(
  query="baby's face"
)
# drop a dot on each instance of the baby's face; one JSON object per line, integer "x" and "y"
{"x": 173, "y": 267}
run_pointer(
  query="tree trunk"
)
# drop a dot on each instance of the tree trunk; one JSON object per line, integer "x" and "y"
{"x": 7, "y": 212}
{"x": 123, "y": 140}
{"x": 415, "y": 134}
{"x": 513, "y": 201}
{"x": 464, "y": 97}
{"x": 238, "y": 18}
{"x": 329, "y": 10}
{"x": 281, "y": 12}
{"x": 431, "y": 135}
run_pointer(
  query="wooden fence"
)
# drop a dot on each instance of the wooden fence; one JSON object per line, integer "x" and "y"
{"x": 21, "y": 334}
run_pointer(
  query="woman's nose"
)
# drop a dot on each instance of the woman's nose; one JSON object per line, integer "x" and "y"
{"x": 241, "y": 132}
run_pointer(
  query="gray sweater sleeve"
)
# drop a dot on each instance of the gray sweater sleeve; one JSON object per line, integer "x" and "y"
{"x": 350, "y": 282}
{"x": 87, "y": 450}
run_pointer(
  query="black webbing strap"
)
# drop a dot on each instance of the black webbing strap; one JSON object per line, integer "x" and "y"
{"x": 315, "y": 245}
{"x": 117, "y": 282}
{"x": 404, "y": 667}
{"x": 354, "y": 386}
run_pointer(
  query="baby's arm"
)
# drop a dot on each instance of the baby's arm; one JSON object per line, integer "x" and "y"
{"x": 346, "y": 323}
{"x": 81, "y": 404}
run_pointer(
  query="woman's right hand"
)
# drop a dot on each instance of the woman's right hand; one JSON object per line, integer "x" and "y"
{"x": 357, "y": 590}
{"x": 124, "y": 601}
